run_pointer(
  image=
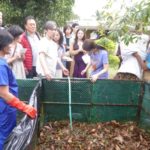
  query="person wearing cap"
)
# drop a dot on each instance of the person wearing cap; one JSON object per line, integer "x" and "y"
{"x": 48, "y": 54}
{"x": 30, "y": 41}
{"x": 99, "y": 59}
{"x": 9, "y": 92}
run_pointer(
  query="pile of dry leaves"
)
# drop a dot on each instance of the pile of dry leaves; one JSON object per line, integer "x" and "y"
{"x": 100, "y": 136}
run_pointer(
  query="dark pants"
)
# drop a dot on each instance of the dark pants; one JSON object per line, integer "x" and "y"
{"x": 32, "y": 73}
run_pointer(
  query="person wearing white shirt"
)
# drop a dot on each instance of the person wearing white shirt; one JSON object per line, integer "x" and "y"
{"x": 30, "y": 40}
{"x": 132, "y": 55}
{"x": 48, "y": 54}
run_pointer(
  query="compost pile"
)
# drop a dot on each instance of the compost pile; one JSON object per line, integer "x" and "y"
{"x": 99, "y": 136}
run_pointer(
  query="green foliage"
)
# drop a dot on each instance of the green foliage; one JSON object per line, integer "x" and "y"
{"x": 124, "y": 26}
{"x": 110, "y": 46}
{"x": 113, "y": 61}
{"x": 107, "y": 44}
{"x": 127, "y": 21}
{"x": 16, "y": 10}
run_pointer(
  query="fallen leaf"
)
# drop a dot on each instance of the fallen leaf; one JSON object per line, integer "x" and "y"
{"x": 117, "y": 147}
{"x": 119, "y": 138}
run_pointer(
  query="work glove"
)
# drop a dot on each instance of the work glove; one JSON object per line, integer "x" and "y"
{"x": 29, "y": 110}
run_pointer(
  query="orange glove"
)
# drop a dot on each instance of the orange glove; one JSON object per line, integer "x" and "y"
{"x": 29, "y": 110}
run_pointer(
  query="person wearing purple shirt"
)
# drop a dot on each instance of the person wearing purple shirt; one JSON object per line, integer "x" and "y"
{"x": 98, "y": 60}
{"x": 77, "y": 52}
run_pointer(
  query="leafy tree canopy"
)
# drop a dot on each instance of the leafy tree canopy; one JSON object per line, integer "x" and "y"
{"x": 14, "y": 11}
{"x": 125, "y": 22}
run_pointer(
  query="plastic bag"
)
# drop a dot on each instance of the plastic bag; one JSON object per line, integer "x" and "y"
{"x": 24, "y": 135}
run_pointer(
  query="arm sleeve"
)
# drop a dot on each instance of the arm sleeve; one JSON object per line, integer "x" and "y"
{"x": 42, "y": 46}
{"x": 105, "y": 58}
{"x": 4, "y": 80}
{"x": 148, "y": 61}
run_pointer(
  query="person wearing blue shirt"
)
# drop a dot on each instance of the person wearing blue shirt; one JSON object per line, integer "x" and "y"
{"x": 148, "y": 59}
{"x": 9, "y": 92}
{"x": 146, "y": 68}
{"x": 98, "y": 59}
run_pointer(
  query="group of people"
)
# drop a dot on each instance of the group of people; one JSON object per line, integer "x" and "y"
{"x": 26, "y": 54}
{"x": 55, "y": 54}
{"x": 58, "y": 53}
